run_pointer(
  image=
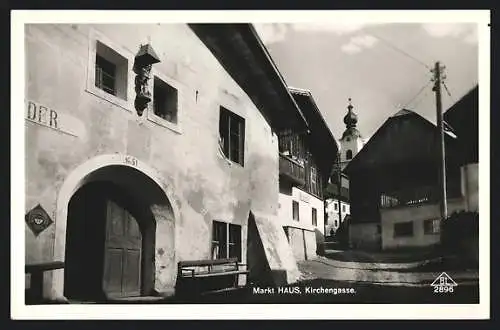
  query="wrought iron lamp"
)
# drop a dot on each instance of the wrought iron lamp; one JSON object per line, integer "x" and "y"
{"x": 143, "y": 64}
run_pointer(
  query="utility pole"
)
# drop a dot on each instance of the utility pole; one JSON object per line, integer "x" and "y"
{"x": 442, "y": 159}
{"x": 339, "y": 171}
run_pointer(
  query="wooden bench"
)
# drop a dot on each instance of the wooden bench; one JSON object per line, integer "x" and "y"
{"x": 199, "y": 277}
{"x": 36, "y": 271}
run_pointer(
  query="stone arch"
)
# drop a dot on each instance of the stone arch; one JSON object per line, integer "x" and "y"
{"x": 86, "y": 172}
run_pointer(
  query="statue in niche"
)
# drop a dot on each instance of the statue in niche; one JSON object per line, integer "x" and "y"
{"x": 143, "y": 95}
{"x": 142, "y": 68}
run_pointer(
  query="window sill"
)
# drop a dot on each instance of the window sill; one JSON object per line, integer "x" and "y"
{"x": 309, "y": 228}
{"x": 110, "y": 98}
{"x": 228, "y": 161}
{"x": 163, "y": 122}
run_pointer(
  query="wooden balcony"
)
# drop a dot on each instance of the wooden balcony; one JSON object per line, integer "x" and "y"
{"x": 417, "y": 196}
{"x": 292, "y": 170}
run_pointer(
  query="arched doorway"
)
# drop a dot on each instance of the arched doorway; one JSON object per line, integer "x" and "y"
{"x": 111, "y": 235}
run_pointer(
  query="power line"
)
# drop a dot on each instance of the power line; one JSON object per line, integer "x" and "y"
{"x": 418, "y": 93}
{"x": 421, "y": 99}
{"x": 401, "y": 51}
{"x": 448, "y": 92}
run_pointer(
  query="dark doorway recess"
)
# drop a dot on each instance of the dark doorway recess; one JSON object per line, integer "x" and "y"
{"x": 110, "y": 239}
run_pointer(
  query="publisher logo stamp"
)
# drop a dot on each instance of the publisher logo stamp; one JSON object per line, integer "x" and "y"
{"x": 444, "y": 284}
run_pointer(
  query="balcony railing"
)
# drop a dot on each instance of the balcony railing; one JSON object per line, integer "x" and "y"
{"x": 417, "y": 196}
{"x": 292, "y": 170}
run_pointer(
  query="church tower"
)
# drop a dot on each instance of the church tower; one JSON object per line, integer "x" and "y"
{"x": 351, "y": 141}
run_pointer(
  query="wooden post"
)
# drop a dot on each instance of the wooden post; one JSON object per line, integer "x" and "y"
{"x": 442, "y": 158}
{"x": 339, "y": 173}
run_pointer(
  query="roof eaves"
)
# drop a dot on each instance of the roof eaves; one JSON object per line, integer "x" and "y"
{"x": 275, "y": 68}
{"x": 306, "y": 92}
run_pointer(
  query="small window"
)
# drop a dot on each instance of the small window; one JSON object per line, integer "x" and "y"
{"x": 314, "y": 181}
{"x": 403, "y": 229}
{"x": 226, "y": 240}
{"x": 336, "y": 223}
{"x": 314, "y": 217}
{"x": 348, "y": 154}
{"x": 105, "y": 75}
{"x": 335, "y": 206}
{"x": 232, "y": 135}
{"x": 286, "y": 232}
{"x": 348, "y": 139}
{"x": 234, "y": 242}
{"x": 431, "y": 226}
{"x": 295, "y": 210}
{"x": 165, "y": 100}
{"x": 343, "y": 208}
{"x": 111, "y": 71}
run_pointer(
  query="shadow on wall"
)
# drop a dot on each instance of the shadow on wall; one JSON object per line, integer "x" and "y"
{"x": 260, "y": 272}
{"x": 320, "y": 242}
{"x": 460, "y": 236}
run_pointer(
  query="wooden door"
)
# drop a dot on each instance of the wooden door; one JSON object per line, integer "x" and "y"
{"x": 122, "y": 255}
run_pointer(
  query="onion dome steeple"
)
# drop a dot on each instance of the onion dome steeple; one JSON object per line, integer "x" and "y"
{"x": 350, "y": 120}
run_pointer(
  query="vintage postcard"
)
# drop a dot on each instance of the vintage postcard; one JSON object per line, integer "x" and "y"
{"x": 307, "y": 165}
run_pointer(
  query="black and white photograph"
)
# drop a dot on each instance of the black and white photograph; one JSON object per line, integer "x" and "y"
{"x": 268, "y": 162}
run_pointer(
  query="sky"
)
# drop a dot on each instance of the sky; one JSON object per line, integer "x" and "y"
{"x": 381, "y": 67}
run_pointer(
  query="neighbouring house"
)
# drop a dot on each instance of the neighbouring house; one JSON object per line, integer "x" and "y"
{"x": 394, "y": 180}
{"x": 337, "y": 191}
{"x": 337, "y": 204}
{"x": 121, "y": 197}
{"x": 306, "y": 159}
{"x": 463, "y": 118}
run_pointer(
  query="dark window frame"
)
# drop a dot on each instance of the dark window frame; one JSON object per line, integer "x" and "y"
{"x": 165, "y": 100}
{"x": 110, "y": 72}
{"x": 404, "y": 232}
{"x": 295, "y": 211}
{"x": 430, "y": 228}
{"x": 232, "y": 135}
{"x": 105, "y": 69}
{"x": 314, "y": 180}
{"x": 314, "y": 216}
{"x": 230, "y": 244}
{"x": 348, "y": 154}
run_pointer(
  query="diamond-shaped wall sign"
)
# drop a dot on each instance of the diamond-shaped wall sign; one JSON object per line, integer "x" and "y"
{"x": 38, "y": 220}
